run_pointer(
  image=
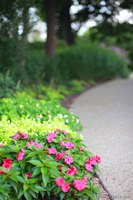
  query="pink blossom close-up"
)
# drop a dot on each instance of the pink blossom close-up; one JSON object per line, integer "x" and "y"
{"x": 50, "y": 137}
{"x": 24, "y": 135}
{"x": 92, "y": 160}
{"x": 65, "y": 187}
{"x": 80, "y": 184}
{"x": 62, "y": 143}
{"x": 69, "y": 145}
{"x": 71, "y": 171}
{"x": 52, "y": 150}
{"x": 68, "y": 160}
{"x": 21, "y": 155}
{"x": 88, "y": 167}
{"x": 59, "y": 181}
{"x": 59, "y": 156}
{"x": 98, "y": 159}
{"x": 7, "y": 163}
{"x": 16, "y": 136}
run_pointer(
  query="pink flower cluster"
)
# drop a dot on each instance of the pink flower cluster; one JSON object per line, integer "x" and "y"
{"x": 59, "y": 156}
{"x": 50, "y": 137}
{"x": 80, "y": 184}
{"x": 32, "y": 143}
{"x": 21, "y": 155}
{"x": 68, "y": 160}
{"x": 61, "y": 183}
{"x": 77, "y": 184}
{"x": 7, "y": 163}
{"x": 52, "y": 150}
{"x": 68, "y": 145}
{"x": 92, "y": 161}
{"x": 71, "y": 171}
{"x": 20, "y": 135}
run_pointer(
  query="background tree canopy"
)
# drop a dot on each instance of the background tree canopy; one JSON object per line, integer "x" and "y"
{"x": 52, "y": 61}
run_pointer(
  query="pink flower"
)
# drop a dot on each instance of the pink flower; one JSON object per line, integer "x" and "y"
{"x": 1, "y": 145}
{"x": 29, "y": 175}
{"x": 38, "y": 145}
{"x": 24, "y": 135}
{"x": 52, "y": 150}
{"x": 67, "y": 138}
{"x": 16, "y": 136}
{"x": 98, "y": 159}
{"x": 92, "y": 160}
{"x": 64, "y": 132}
{"x": 50, "y": 137}
{"x": 68, "y": 160}
{"x": 21, "y": 155}
{"x": 62, "y": 143}
{"x": 80, "y": 184}
{"x": 65, "y": 187}
{"x": 71, "y": 171}
{"x": 88, "y": 167}
{"x": 59, "y": 181}
{"x": 69, "y": 145}
{"x": 31, "y": 143}
{"x": 59, "y": 156}
{"x": 7, "y": 163}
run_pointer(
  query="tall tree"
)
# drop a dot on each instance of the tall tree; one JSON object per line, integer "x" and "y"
{"x": 50, "y": 20}
{"x": 65, "y": 22}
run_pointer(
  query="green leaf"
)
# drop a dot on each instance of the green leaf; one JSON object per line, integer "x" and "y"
{"x": 45, "y": 179}
{"x": 20, "y": 178}
{"x": 35, "y": 162}
{"x": 44, "y": 170}
{"x": 36, "y": 172}
{"x": 62, "y": 195}
{"x": 27, "y": 195}
{"x": 40, "y": 188}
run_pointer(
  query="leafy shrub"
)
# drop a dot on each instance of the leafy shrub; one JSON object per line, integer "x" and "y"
{"x": 7, "y": 85}
{"x": 90, "y": 62}
{"x": 48, "y": 159}
{"x": 34, "y": 116}
{"x": 47, "y": 166}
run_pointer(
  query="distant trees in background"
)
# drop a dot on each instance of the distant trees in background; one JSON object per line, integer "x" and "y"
{"x": 63, "y": 18}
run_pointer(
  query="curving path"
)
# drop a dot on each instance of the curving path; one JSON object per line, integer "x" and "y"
{"x": 107, "y": 115}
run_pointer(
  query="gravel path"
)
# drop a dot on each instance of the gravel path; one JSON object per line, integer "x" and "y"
{"x": 106, "y": 112}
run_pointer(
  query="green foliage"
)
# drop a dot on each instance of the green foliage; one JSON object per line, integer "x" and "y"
{"x": 90, "y": 62}
{"x": 34, "y": 116}
{"x": 30, "y": 130}
{"x": 7, "y": 85}
{"x": 31, "y": 170}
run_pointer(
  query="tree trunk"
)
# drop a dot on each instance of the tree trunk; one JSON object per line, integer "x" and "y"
{"x": 24, "y": 45}
{"x": 65, "y": 23}
{"x": 51, "y": 34}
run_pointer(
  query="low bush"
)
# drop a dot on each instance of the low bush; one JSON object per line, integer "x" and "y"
{"x": 41, "y": 155}
{"x": 90, "y": 62}
{"x": 7, "y": 85}
{"x": 34, "y": 116}
{"x": 49, "y": 166}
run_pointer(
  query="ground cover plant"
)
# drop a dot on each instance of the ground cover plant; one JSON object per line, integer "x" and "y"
{"x": 41, "y": 155}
